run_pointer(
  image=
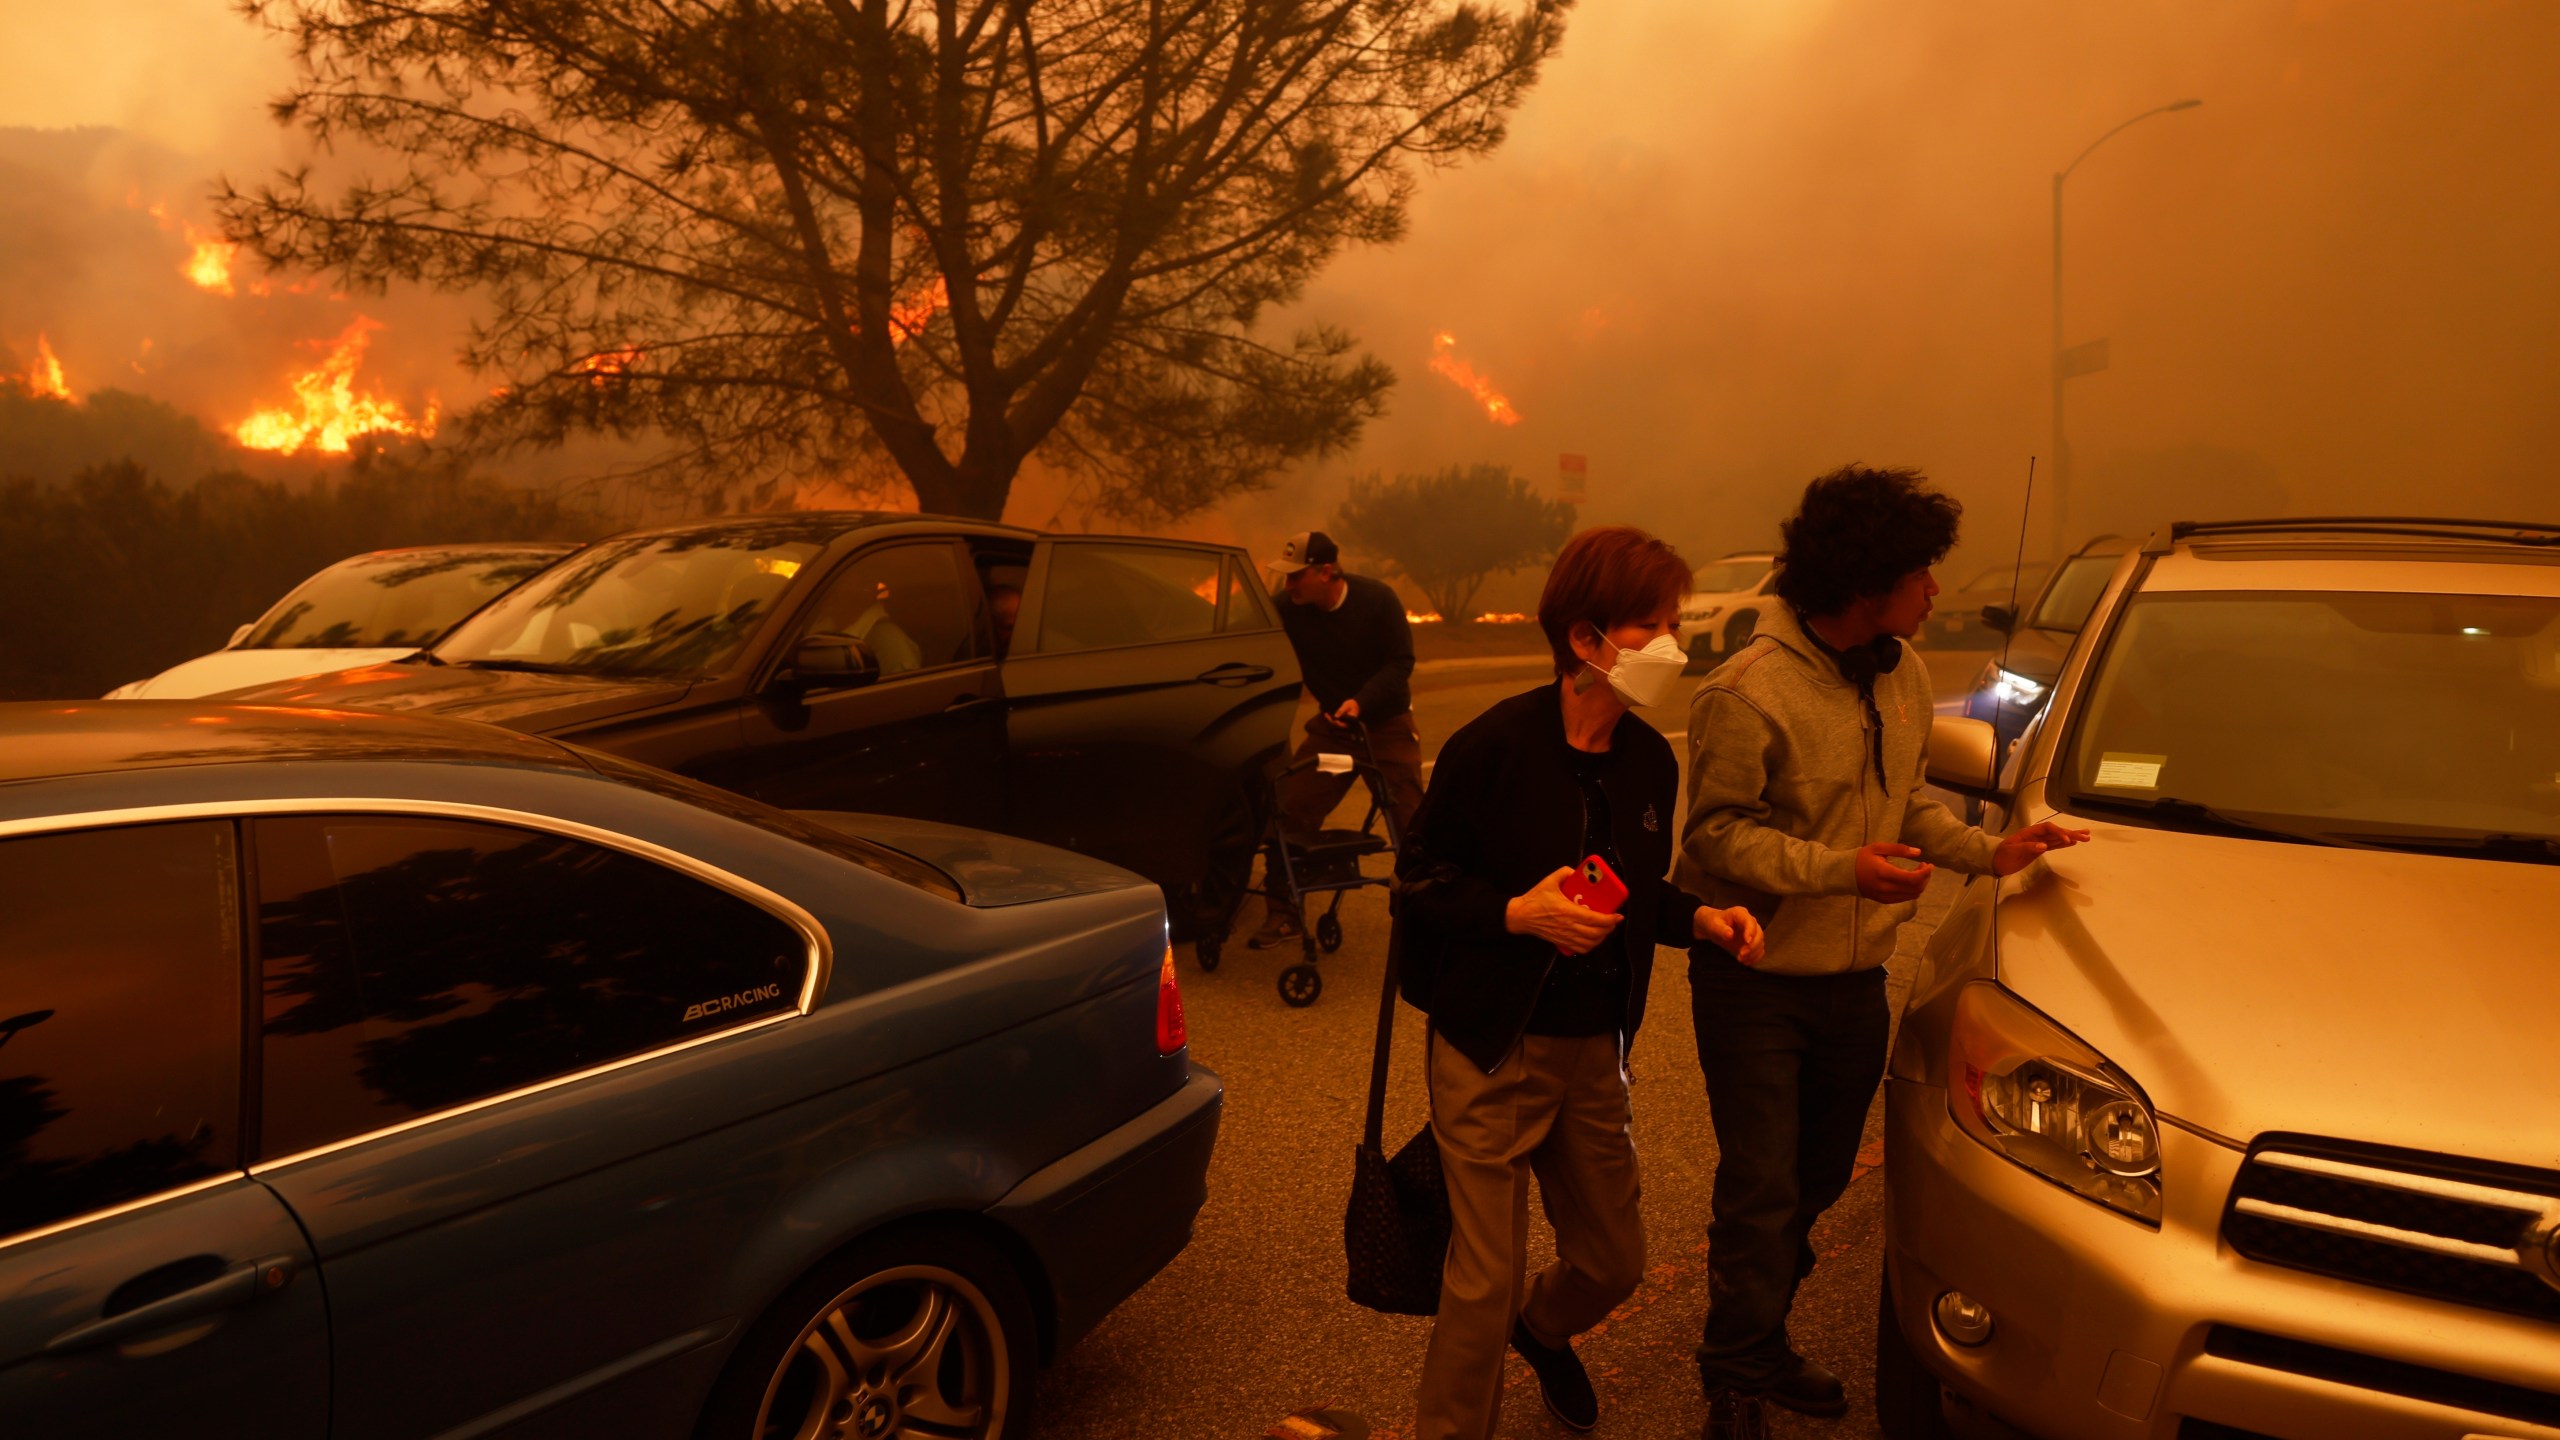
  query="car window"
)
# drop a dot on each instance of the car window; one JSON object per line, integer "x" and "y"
{"x": 1248, "y": 605}
{"x": 120, "y": 991}
{"x": 906, "y": 602}
{"x": 1728, "y": 577}
{"x": 379, "y": 601}
{"x": 643, "y": 605}
{"x": 1101, "y": 595}
{"x": 411, "y": 964}
{"x": 2074, "y": 593}
{"x": 2376, "y": 716}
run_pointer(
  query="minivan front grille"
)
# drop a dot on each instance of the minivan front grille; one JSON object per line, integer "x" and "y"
{"x": 2468, "y": 1232}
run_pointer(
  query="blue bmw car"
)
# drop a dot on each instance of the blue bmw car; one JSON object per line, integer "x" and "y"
{"x": 379, "y": 1076}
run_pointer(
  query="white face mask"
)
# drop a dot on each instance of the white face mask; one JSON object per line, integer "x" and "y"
{"x": 1645, "y": 677}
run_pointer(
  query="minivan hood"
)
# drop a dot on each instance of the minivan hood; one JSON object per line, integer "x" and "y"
{"x": 2252, "y": 986}
{"x": 538, "y": 704}
{"x": 991, "y": 870}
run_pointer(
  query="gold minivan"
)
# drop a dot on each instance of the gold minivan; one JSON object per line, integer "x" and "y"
{"x": 2243, "y": 1120}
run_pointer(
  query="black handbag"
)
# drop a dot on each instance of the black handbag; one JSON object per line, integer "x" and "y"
{"x": 1395, "y": 1232}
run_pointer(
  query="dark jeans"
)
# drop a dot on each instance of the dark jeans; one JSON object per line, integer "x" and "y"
{"x": 1791, "y": 1063}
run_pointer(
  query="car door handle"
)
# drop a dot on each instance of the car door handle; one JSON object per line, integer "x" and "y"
{"x": 1236, "y": 672}
{"x": 229, "y": 1290}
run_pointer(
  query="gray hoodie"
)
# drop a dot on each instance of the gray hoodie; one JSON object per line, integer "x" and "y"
{"x": 1783, "y": 789}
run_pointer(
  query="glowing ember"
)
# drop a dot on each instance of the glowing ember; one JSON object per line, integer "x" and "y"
{"x": 208, "y": 266}
{"x": 601, "y": 367}
{"x": 43, "y": 378}
{"x": 1445, "y": 361}
{"x": 329, "y": 414}
{"x": 908, "y": 317}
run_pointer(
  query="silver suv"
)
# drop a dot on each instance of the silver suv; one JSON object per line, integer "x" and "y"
{"x": 2244, "y": 1119}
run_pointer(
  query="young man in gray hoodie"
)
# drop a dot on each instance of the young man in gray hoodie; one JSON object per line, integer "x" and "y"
{"x": 1806, "y": 758}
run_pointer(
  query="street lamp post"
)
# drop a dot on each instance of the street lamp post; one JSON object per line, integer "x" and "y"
{"x": 2061, "y": 452}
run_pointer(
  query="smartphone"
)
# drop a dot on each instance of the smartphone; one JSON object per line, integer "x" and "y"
{"x": 1595, "y": 886}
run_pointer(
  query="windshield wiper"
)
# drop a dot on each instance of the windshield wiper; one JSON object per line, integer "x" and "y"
{"x": 2204, "y": 819}
{"x": 2524, "y": 849}
{"x": 529, "y": 667}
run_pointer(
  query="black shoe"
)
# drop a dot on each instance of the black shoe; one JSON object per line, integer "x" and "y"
{"x": 1735, "y": 1415}
{"x": 1561, "y": 1378}
{"x": 1807, "y": 1389}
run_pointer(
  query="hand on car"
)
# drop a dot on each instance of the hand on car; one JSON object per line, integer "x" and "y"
{"x": 1736, "y": 929}
{"x": 1886, "y": 883}
{"x": 2020, "y": 850}
{"x": 1555, "y": 917}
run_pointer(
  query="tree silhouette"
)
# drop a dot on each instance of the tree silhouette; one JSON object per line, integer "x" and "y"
{"x": 880, "y": 238}
{"x": 1451, "y": 531}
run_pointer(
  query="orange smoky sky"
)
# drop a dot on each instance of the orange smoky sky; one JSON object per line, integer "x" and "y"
{"x": 1730, "y": 243}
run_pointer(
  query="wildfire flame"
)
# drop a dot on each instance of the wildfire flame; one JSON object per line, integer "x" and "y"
{"x": 908, "y": 317}
{"x": 601, "y": 367}
{"x": 328, "y": 413}
{"x": 1422, "y": 617}
{"x": 208, "y": 265}
{"x": 1445, "y": 361}
{"x": 44, "y": 374}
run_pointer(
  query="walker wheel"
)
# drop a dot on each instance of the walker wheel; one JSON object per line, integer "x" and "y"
{"x": 1300, "y": 985}
{"x": 1329, "y": 932}
{"x": 1206, "y": 950}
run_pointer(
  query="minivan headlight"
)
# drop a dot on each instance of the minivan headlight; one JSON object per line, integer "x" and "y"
{"x": 2032, "y": 1091}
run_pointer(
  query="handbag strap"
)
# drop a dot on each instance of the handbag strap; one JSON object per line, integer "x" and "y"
{"x": 1373, "y": 1133}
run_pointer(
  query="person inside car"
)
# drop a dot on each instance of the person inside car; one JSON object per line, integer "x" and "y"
{"x": 1355, "y": 649}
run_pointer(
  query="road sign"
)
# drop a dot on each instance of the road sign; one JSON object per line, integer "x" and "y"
{"x": 2086, "y": 359}
{"x": 1573, "y": 473}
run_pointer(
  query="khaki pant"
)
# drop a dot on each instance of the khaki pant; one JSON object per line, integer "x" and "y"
{"x": 1556, "y": 1108}
{"x": 1306, "y": 798}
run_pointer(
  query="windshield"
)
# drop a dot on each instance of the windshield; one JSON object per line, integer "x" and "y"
{"x": 1727, "y": 577}
{"x": 2352, "y": 718}
{"x": 404, "y": 598}
{"x": 645, "y": 605}
{"x": 2074, "y": 593}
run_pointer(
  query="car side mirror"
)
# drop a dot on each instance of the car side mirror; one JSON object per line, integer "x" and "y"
{"x": 830, "y": 662}
{"x": 238, "y": 635}
{"x": 2000, "y": 618}
{"x": 1964, "y": 756}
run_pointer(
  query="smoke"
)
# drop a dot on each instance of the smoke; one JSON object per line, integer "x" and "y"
{"x": 1730, "y": 244}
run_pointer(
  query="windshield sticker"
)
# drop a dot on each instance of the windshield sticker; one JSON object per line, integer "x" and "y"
{"x": 2130, "y": 772}
{"x": 705, "y": 1009}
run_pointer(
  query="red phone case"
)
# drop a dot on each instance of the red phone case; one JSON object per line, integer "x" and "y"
{"x": 1595, "y": 886}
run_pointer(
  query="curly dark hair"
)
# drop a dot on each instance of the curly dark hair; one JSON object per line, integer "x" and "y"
{"x": 1857, "y": 533}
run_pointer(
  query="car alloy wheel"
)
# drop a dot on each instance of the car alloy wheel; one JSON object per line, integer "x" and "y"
{"x": 903, "y": 1354}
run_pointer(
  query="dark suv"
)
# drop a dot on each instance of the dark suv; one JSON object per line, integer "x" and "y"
{"x": 1115, "y": 695}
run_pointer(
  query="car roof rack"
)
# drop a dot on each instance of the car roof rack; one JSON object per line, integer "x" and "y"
{"x": 2424, "y": 527}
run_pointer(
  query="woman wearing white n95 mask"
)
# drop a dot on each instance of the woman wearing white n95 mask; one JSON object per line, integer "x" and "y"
{"x": 1534, "y": 997}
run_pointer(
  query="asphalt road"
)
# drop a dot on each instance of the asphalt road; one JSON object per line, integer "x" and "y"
{"x": 1250, "y": 1323}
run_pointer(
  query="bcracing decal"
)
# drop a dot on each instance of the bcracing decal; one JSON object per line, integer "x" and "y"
{"x": 703, "y": 1008}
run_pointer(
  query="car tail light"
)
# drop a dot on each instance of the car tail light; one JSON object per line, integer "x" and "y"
{"x": 1170, "y": 1034}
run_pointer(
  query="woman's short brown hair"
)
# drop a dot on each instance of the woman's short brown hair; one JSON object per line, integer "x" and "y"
{"x": 1609, "y": 576}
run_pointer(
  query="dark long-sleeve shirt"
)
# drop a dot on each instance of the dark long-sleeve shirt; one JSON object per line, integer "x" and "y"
{"x": 1361, "y": 649}
{"x": 1504, "y": 810}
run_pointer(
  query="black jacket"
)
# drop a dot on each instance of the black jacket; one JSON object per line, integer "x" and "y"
{"x": 1503, "y": 812}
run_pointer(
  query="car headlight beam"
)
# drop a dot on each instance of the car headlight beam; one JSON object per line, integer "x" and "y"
{"x": 2037, "y": 1095}
{"x": 2011, "y": 688}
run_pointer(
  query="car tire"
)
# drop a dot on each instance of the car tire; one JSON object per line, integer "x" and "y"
{"x": 925, "y": 1323}
{"x": 1907, "y": 1395}
{"x": 1738, "y": 630}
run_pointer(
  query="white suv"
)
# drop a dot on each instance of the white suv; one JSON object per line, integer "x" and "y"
{"x": 1724, "y": 606}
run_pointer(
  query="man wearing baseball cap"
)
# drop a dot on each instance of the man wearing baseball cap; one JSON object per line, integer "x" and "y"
{"x": 1355, "y": 649}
